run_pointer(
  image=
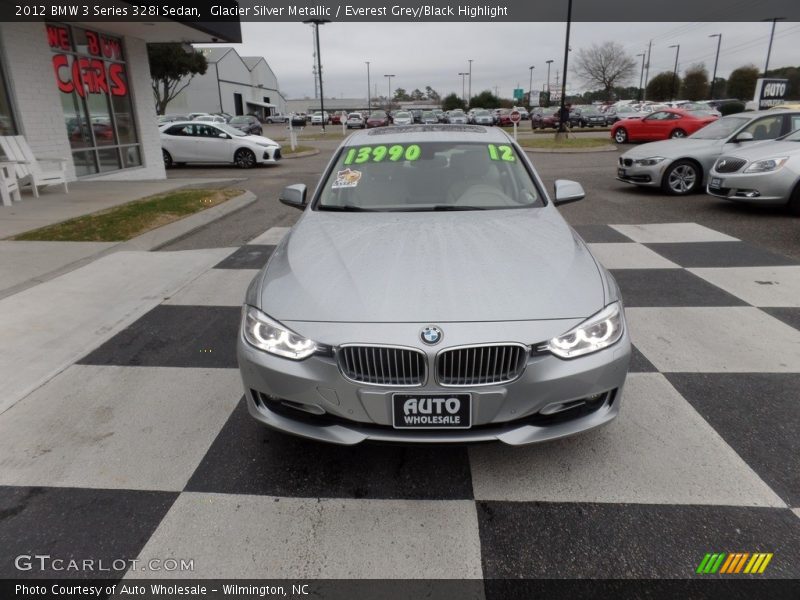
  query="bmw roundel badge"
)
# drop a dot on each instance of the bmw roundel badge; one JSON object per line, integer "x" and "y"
{"x": 431, "y": 335}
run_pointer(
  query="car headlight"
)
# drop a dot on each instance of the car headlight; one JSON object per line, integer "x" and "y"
{"x": 764, "y": 166}
{"x": 270, "y": 336}
{"x": 595, "y": 333}
{"x": 648, "y": 162}
{"x": 267, "y": 145}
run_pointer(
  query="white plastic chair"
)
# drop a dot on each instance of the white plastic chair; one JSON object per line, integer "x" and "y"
{"x": 9, "y": 186}
{"x": 29, "y": 168}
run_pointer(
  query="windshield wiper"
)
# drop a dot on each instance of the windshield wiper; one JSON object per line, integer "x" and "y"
{"x": 454, "y": 207}
{"x": 346, "y": 208}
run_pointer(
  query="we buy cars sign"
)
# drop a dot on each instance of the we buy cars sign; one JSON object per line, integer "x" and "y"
{"x": 770, "y": 92}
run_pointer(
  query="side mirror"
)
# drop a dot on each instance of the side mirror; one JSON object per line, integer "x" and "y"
{"x": 567, "y": 191}
{"x": 294, "y": 196}
{"x": 745, "y": 136}
{"x": 224, "y": 136}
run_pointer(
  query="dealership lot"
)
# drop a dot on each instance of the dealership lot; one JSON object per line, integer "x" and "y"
{"x": 146, "y": 444}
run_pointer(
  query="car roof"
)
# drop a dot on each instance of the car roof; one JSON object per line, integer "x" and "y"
{"x": 428, "y": 133}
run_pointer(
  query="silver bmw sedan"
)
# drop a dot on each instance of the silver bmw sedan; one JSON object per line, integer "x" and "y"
{"x": 430, "y": 293}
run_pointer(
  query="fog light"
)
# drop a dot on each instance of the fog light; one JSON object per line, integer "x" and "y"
{"x": 748, "y": 193}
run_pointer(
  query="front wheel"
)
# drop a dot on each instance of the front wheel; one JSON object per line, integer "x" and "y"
{"x": 678, "y": 133}
{"x": 621, "y": 135}
{"x": 681, "y": 178}
{"x": 167, "y": 159}
{"x": 244, "y": 158}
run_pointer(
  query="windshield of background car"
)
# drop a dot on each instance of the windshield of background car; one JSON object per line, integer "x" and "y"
{"x": 481, "y": 113}
{"x": 377, "y": 115}
{"x": 719, "y": 129}
{"x": 240, "y": 120}
{"x": 428, "y": 176}
{"x": 402, "y": 115}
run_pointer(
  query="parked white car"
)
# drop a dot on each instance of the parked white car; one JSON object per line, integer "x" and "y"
{"x": 201, "y": 142}
{"x": 317, "y": 118}
{"x": 277, "y": 118}
{"x": 356, "y": 120}
{"x": 403, "y": 118}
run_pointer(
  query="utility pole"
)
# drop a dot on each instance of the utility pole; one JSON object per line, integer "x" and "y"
{"x": 771, "y": 37}
{"x": 716, "y": 62}
{"x": 530, "y": 86}
{"x": 641, "y": 75}
{"x": 314, "y": 66}
{"x": 674, "y": 72}
{"x": 549, "y": 62}
{"x": 470, "y": 79}
{"x": 647, "y": 71}
{"x": 369, "y": 99}
{"x": 463, "y": 91}
{"x": 562, "y": 127}
{"x": 317, "y": 23}
{"x": 390, "y": 90}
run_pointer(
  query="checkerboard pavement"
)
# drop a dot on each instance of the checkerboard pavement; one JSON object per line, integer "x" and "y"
{"x": 144, "y": 447}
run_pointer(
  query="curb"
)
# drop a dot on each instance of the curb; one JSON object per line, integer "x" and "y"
{"x": 313, "y": 152}
{"x": 609, "y": 148}
{"x": 150, "y": 240}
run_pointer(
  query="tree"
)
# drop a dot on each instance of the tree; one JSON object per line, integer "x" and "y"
{"x": 695, "y": 83}
{"x": 742, "y": 82}
{"x": 417, "y": 95}
{"x": 452, "y": 101}
{"x": 486, "y": 99}
{"x": 720, "y": 88}
{"x": 606, "y": 65}
{"x": 401, "y": 95}
{"x": 432, "y": 94}
{"x": 170, "y": 64}
{"x": 660, "y": 88}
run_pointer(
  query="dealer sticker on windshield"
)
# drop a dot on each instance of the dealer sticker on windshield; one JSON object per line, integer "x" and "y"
{"x": 346, "y": 179}
{"x": 432, "y": 411}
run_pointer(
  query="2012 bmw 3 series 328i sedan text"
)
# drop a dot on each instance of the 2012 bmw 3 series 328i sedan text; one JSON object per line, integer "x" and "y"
{"x": 430, "y": 293}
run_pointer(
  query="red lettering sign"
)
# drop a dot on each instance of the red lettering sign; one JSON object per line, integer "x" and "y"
{"x": 58, "y": 37}
{"x": 89, "y": 75}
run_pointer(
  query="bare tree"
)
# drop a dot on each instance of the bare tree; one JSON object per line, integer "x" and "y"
{"x": 606, "y": 65}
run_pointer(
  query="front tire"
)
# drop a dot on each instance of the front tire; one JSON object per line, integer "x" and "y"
{"x": 681, "y": 178}
{"x": 167, "y": 159}
{"x": 678, "y": 133}
{"x": 621, "y": 136}
{"x": 244, "y": 159}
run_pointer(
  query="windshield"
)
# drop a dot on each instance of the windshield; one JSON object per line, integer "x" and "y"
{"x": 240, "y": 120}
{"x": 428, "y": 176}
{"x": 481, "y": 113}
{"x": 402, "y": 115}
{"x": 354, "y": 116}
{"x": 377, "y": 115}
{"x": 719, "y": 129}
{"x": 428, "y": 115}
{"x": 625, "y": 109}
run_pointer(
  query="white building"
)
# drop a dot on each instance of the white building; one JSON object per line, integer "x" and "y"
{"x": 233, "y": 84}
{"x": 82, "y": 91}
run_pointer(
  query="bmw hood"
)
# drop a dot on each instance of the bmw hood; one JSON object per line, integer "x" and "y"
{"x": 505, "y": 265}
{"x": 672, "y": 148}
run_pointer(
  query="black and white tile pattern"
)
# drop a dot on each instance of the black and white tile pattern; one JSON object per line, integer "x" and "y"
{"x": 144, "y": 447}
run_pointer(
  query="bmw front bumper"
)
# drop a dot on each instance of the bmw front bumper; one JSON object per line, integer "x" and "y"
{"x": 312, "y": 399}
{"x": 649, "y": 176}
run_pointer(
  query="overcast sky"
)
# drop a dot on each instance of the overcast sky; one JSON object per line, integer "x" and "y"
{"x": 421, "y": 54}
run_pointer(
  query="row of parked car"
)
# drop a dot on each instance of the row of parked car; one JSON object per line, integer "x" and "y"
{"x": 751, "y": 157}
{"x": 249, "y": 124}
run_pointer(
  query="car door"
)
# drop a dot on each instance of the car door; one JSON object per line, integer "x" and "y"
{"x": 180, "y": 142}
{"x": 653, "y": 126}
{"x": 210, "y": 147}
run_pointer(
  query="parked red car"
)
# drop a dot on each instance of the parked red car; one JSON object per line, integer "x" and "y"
{"x": 660, "y": 125}
{"x": 337, "y": 117}
{"x": 378, "y": 119}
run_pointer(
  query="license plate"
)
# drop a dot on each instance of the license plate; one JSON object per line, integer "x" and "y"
{"x": 716, "y": 183}
{"x": 620, "y": 172}
{"x": 432, "y": 411}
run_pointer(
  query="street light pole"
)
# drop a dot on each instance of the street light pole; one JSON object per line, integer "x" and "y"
{"x": 317, "y": 23}
{"x": 771, "y": 37}
{"x": 390, "y": 89}
{"x": 470, "y": 79}
{"x": 716, "y": 62}
{"x": 530, "y": 87}
{"x": 562, "y": 127}
{"x": 641, "y": 76}
{"x": 674, "y": 72}
{"x": 549, "y": 62}
{"x": 369, "y": 96}
{"x": 463, "y": 91}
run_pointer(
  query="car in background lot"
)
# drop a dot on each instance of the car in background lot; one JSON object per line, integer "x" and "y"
{"x": 210, "y": 119}
{"x": 587, "y": 116}
{"x": 319, "y": 119}
{"x": 660, "y": 125}
{"x": 503, "y": 117}
{"x": 523, "y": 112}
{"x": 338, "y": 117}
{"x": 378, "y": 118}
{"x": 355, "y": 121}
{"x": 533, "y": 351}
{"x": 277, "y": 118}
{"x": 403, "y": 118}
{"x": 429, "y": 118}
{"x": 623, "y": 111}
{"x": 481, "y": 116}
{"x": 457, "y": 117}
{"x": 767, "y": 173}
{"x": 681, "y": 166}
{"x": 548, "y": 117}
{"x": 201, "y": 142}
{"x": 439, "y": 114}
{"x": 247, "y": 124}
{"x": 172, "y": 118}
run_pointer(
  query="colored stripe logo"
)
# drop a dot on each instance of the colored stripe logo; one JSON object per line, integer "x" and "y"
{"x": 734, "y": 563}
